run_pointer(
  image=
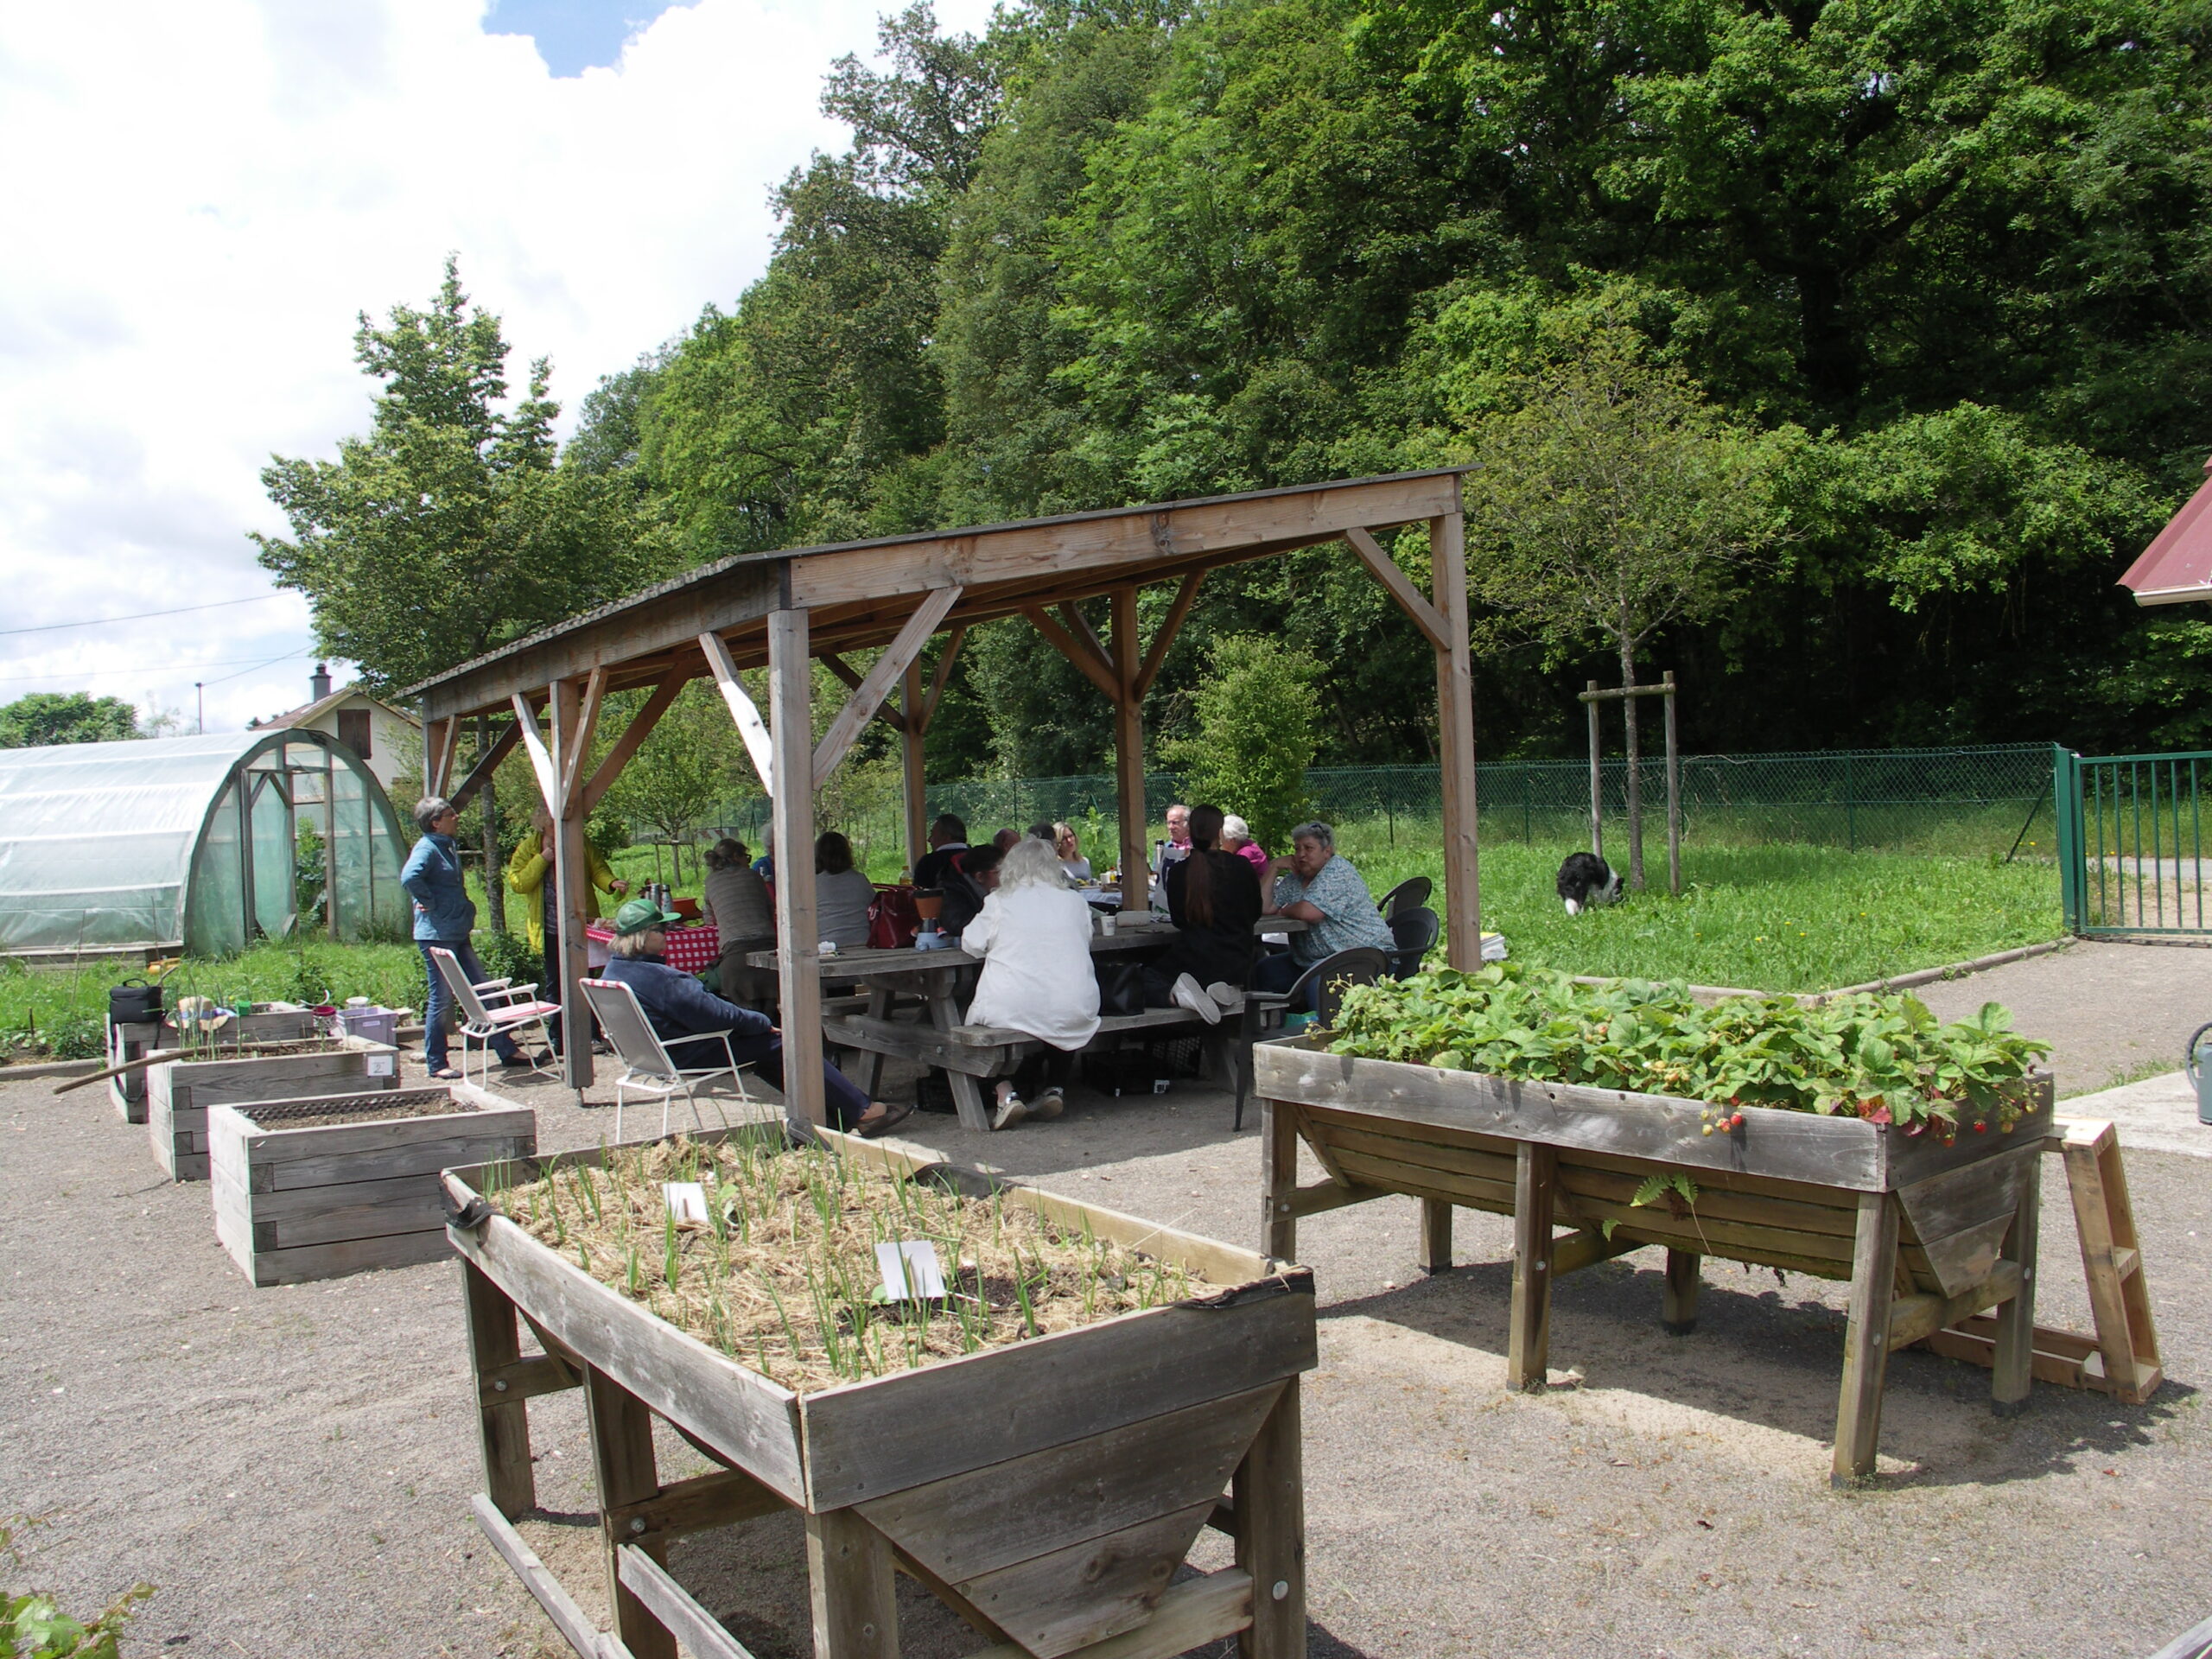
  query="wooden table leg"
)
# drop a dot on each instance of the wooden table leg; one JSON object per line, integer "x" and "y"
{"x": 1528, "y": 1355}
{"x": 2016, "y": 1319}
{"x": 1435, "y": 1236}
{"x": 1678, "y": 1308}
{"x": 1866, "y": 1339}
{"x": 1279, "y": 1179}
{"x": 850, "y": 1581}
{"x": 879, "y": 1007}
{"x": 494, "y": 1340}
{"x": 967, "y": 1098}
{"x": 622, "y": 1456}
{"x": 1270, "y": 1498}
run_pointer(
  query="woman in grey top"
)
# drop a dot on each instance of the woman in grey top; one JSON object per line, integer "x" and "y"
{"x": 841, "y": 893}
{"x": 737, "y": 900}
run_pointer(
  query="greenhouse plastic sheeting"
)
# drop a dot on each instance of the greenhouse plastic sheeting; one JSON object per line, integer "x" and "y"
{"x": 114, "y": 845}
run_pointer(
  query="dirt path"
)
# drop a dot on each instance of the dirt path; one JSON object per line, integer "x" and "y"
{"x": 292, "y": 1466}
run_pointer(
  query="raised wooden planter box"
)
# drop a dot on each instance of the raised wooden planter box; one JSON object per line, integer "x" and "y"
{"x": 1045, "y": 1492}
{"x": 179, "y": 1092}
{"x": 1927, "y": 1235}
{"x": 134, "y": 1040}
{"x": 300, "y": 1197}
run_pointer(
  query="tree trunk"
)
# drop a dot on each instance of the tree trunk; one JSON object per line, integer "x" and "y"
{"x": 495, "y": 885}
{"x": 1635, "y": 781}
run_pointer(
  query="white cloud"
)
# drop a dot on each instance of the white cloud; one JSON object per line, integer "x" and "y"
{"x": 200, "y": 198}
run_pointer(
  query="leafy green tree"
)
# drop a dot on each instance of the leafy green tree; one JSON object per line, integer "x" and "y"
{"x": 1255, "y": 737}
{"x": 449, "y": 528}
{"x": 46, "y": 717}
{"x": 1614, "y": 501}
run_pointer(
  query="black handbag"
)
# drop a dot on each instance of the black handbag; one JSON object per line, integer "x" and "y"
{"x": 134, "y": 1002}
{"x": 1120, "y": 985}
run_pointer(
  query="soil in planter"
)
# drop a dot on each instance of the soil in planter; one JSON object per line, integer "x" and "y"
{"x": 354, "y": 1109}
{"x": 784, "y": 1278}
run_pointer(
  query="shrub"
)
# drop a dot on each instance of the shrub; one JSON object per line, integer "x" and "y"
{"x": 1255, "y": 738}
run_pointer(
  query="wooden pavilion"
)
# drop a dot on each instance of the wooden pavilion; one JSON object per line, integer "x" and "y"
{"x": 784, "y": 609}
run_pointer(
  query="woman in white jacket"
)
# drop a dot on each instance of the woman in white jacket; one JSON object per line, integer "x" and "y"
{"x": 1033, "y": 935}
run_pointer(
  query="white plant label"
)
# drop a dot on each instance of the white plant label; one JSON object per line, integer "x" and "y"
{"x": 687, "y": 1201}
{"x": 381, "y": 1066}
{"x": 911, "y": 1270}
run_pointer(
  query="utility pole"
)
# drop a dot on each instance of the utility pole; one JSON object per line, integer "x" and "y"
{"x": 199, "y": 718}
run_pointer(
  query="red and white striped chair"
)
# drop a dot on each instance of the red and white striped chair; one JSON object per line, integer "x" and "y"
{"x": 496, "y": 1008}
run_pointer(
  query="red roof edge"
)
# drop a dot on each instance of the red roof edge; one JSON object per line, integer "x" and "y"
{"x": 2177, "y": 565}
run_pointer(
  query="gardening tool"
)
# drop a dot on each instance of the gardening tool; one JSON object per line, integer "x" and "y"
{"x": 156, "y": 1056}
{"x": 2195, "y": 1062}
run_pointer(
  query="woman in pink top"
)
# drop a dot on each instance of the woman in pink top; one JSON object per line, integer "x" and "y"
{"x": 1236, "y": 837}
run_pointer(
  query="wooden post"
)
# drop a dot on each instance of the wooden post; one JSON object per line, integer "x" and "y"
{"x": 1279, "y": 1165}
{"x": 791, "y": 685}
{"x": 495, "y": 1340}
{"x": 1435, "y": 1236}
{"x": 1129, "y": 753}
{"x": 1866, "y": 1339}
{"x": 1455, "y": 739}
{"x": 1674, "y": 796}
{"x": 911, "y": 753}
{"x": 853, "y": 1587}
{"x": 622, "y": 1458}
{"x": 1270, "y": 1498}
{"x": 1678, "y": 1309}
{"x": 1528, "y": 1341}
{"x": 573, "y": 865}
{"x": 2014, "y": 1353}
{"x": 1597, "y": 778}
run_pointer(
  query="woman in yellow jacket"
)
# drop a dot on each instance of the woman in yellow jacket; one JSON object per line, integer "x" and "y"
{"x": 529, "y": 874}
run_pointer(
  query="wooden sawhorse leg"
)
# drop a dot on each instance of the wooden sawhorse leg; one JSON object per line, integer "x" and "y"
{"x": 2015, "y": 1351}
{"x": 1279, "y": 1179}
{"x": 622, "y": 1457}
{"x": 851, "y": 1584}
{"x": 1435, "y": 1236}
{"x": 495, "y": 1345}
{"x": 1527, "y": 1353}
{"x": 1678, "y": 1308}
{"x": 1270, "y": 1500}
{"x": 1867, "y": 1339}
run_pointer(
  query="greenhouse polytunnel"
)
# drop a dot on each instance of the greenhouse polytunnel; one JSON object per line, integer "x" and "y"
{"x": 193, "y": 842}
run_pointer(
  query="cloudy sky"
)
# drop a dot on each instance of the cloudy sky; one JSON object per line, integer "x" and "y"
{"x": 199, "y": 197}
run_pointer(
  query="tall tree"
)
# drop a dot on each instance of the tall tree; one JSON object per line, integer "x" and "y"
{"x": 46, "y": 717}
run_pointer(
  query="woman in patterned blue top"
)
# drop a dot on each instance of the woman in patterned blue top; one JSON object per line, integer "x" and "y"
{"x": 1315, "y": 886}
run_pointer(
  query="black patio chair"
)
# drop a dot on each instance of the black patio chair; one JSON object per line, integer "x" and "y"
{"x": 1326, "y": 980}
{"x": 1415, "y": 930}
{"x": 1409, "y": 894}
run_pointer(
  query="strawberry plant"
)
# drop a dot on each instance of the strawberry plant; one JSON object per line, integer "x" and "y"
{"x": 1885, "y": 1058}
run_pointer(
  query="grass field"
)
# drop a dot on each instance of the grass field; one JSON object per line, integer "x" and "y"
{"x": 1780, "y": 917}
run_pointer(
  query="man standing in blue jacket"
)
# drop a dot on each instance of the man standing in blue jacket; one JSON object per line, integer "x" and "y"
{"x": 444, "y": 916}
{"x": 678, "y": 1006}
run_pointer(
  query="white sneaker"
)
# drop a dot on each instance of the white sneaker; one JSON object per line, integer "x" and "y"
{"x": 1190, "y": 996}
{"x": 1226, "y": 994}
{"x": 1011, "y": 1111}
{"x": 1047, "y": 1106}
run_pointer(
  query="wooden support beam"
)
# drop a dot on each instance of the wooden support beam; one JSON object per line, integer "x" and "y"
{"x": 1128, "y": 752}
{"x": 699, "y": 1504}
{"x": 536, "y": 1577}
{"x": 1098, "y": 670}
{"x": 1455, "y": 732}
{"x": 837, "y": 742}
{"x": 503, "y": 1424}
{"x": 680, "y": 1615}
{"x": 541, "y": 761}
{"x": 635, "y": 734}
{"x": 1866, "y": 1339}
{"x": 1435, "y": 1236}
{"x": 486, "y": 764}
{"x": 1078, "y": 625}
{"x": 622, "y": 1458}
{"x": 892, "y": 717}
{"x": 1177, "y": 613}
{"x": 441, "y": 739}
{"x": 1270, "y": 1508}
{"x": 953, "y": 639}
{"x": 577, "y": 748}
{"x": 791, "y": 687}
{"x": 1678, "y": 1309}
{"x": 1585, "y": 1248}
{"x": 1529, "y": 1334}
{"x": 2012, "y": 1373}
{"x": 1922, "y": 1314}
{"x": 525, "y": 1379}
{"x": 913, "y": 769}
{"x": 750, "y": 725}
{"x": 1426, "y": 617}
{"x": 854, "y": 1587}
{"x": 572, "y": 866}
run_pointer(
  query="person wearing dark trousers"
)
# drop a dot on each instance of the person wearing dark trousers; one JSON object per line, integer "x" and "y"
{"x": 1213, "y": 898}
{"x": 678, "y": 1007}
{"x": 444, "y": 917}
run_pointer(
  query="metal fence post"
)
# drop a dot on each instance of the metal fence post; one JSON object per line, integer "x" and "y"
{"x": 2066, "y": 807}
{"x": 1849, "y": 807}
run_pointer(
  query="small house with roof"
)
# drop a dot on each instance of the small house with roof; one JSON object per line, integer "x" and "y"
{"x": 390, "y": 742}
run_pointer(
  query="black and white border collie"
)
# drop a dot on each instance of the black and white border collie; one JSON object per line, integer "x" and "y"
{"x": 1584, "y": 880}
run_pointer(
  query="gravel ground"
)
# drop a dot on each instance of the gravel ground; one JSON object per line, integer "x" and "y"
{"x": 291, "y": 1467}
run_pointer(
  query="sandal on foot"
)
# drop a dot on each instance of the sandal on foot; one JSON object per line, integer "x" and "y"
{"x": 884, "y": 1118}
{"x": 445, "y": 1074}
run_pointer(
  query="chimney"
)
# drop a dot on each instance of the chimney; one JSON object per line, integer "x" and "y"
{"x": 319, "y": 686}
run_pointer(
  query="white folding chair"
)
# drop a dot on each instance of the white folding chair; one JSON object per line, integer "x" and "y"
{"x": 647, "y": 1067}
{"x": 498, "y": 1007}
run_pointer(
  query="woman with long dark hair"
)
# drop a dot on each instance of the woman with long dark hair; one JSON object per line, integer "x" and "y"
{"x": 1213, "y": 899}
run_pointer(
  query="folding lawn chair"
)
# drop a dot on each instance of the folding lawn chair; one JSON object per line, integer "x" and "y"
{"x": 496, "y": 1008}
{"x": 647, "y": 1067}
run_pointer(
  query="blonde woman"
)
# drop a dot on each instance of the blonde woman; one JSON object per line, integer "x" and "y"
{"x": 1071, "y": 852}
{"x": 1033, "y": 934}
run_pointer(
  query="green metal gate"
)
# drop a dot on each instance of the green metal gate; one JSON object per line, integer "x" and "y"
{"x": 2130, "y": 840}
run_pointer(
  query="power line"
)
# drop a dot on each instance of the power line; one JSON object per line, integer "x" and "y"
{"x": 140, "y": 616}
{"x": 243, "y": 672}
{"x": 142, "y": 668}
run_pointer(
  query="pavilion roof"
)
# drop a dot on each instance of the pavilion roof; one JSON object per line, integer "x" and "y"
{"x": 2177, "y": 566}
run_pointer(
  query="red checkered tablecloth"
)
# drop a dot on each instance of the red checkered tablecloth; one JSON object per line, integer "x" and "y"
{"x": 694, "y": 949}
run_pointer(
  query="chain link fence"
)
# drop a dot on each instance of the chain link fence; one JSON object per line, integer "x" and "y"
{"x": 1992, "y": 800}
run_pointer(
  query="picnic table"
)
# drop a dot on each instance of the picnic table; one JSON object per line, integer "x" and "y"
{"x": 968, "y": 1054}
